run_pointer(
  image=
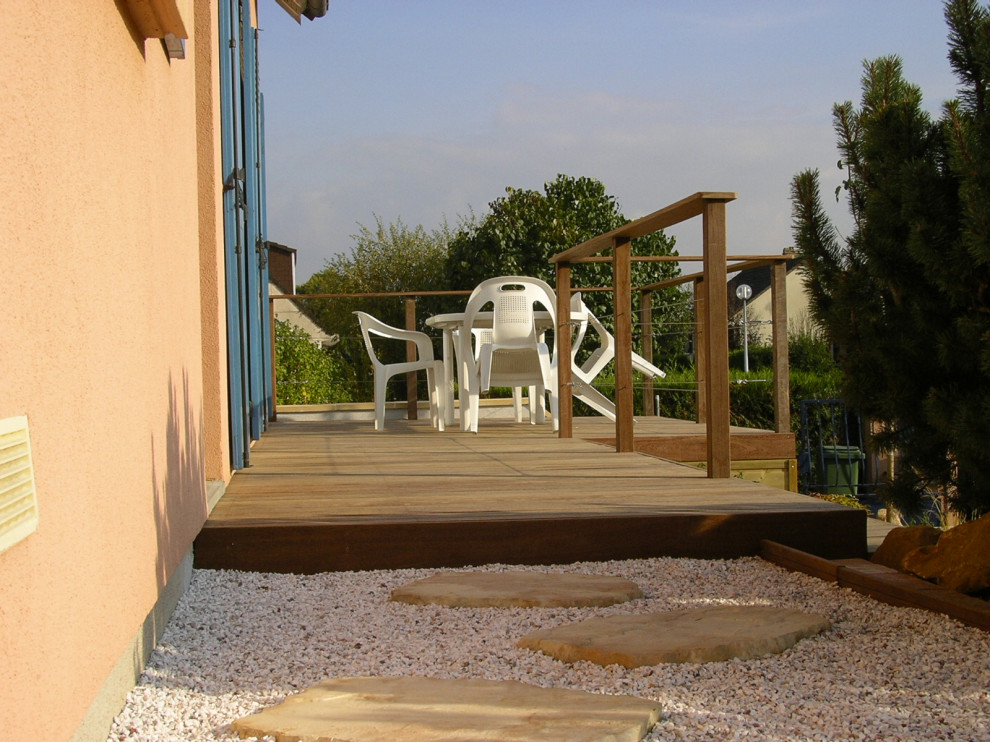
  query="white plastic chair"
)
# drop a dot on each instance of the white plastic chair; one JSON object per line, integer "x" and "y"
{"x": 582, "y": 376}
{"x": 483, "y": 335}
{"x": 385, "y": 371}
{"x": 515, "y": 356}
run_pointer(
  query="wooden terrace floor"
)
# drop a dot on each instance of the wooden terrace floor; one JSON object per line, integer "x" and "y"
{"x": 330, "y": 496}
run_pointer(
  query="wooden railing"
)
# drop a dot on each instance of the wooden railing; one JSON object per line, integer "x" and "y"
{"x": 711, "y": 300}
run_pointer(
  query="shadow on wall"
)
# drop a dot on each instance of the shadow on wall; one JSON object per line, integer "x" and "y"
{"x": 125, "y": 16}
{"x": 180, "y": 508}
{"x": 181, "y": 505}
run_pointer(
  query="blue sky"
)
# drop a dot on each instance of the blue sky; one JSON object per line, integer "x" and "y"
{"x": 423, "y": 110}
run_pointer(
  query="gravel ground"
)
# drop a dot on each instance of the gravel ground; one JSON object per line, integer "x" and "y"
{"x": 241, "y": 641}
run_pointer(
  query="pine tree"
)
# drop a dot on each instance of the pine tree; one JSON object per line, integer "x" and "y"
{"x": 963, "y": 410}
{"x": 905, "y": 295}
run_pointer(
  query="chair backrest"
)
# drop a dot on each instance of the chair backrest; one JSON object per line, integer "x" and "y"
{"x": 513, "y": 300}
{"x": 513, "y": 322}
{"x": 369, "y": 325}
{"x": 579, "y": 307}
{"x": 605, "y": 351}
{"x": 482, "y": 335}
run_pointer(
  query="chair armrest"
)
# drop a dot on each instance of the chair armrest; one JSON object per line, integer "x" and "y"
{"x": 645, "y": 367}
{"x": 424, "y": 345}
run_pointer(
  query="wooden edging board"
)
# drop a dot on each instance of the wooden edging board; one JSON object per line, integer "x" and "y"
{"x": 882, "y": 583}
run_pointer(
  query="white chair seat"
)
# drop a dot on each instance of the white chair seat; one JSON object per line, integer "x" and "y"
{"x": 482, "y": 336}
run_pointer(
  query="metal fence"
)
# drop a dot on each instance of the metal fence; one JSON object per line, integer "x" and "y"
{"x": 832, "y": 457}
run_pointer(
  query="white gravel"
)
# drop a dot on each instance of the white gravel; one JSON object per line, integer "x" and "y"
{"x": 242, "y": 641}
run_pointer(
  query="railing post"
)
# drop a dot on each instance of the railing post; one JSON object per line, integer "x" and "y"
{"x": 700, "y": 352}
{"x": 646, "y": 304}
{"x": 781, "y": 366}
{"x": 562, "y": 341}
{"x": 412, "y": 399}
{"x": 717, "y": 339}
{"x": 622, "y": 280}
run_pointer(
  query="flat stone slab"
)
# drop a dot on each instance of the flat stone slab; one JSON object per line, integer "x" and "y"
{"x": 434, "y": 710}
{"x": 518, "y": 590}
{"x": 699, "y": 635}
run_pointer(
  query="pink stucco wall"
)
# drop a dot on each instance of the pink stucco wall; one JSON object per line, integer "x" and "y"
{"x": 112, "y": 309}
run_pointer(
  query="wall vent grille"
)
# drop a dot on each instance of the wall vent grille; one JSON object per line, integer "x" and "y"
{"x": 18, "y": 498}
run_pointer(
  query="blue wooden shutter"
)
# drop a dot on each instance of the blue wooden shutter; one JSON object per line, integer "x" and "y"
{"x": 246, "y": 264}
{"x": 233, "y": 197}
{"x": 254, "y": 241}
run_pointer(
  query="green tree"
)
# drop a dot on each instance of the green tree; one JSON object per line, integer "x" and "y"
{"x": 906, "y": 296}
{"x": 389, "y": 258}
{"x": 525, "y": 228}
{"x": 304, "y": 372}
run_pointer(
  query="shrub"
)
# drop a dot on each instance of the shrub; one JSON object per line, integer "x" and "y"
{"x": 840, "y": 499}
{"x": 807, "y": 352}
{"x": 760, "y": 356}
{"x": 305, "y": 373}
{"x": 750, "y": 395}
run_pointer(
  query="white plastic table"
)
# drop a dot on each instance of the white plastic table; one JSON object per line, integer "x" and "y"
{"x": 454, "y": 322}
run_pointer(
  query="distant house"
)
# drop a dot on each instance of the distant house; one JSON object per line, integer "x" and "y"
{"x": 758, "y": 309}
{"x": 282, "y": 280}
{"x": 135, "y": 335}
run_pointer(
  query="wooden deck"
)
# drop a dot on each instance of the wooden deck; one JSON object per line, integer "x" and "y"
{"x": 332, "y": 496}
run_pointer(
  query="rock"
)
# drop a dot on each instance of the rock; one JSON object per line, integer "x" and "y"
{"x": 959, "y": 561}
{"x": 518, "y": 589}
{"x": 901, "y": 541}
{"x": 709, "y": 634}
{"x": 437, "y": 710}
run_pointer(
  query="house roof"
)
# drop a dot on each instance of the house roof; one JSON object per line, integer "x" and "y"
{"x": 757, "y": 279}
{"x": 287, "y": 310}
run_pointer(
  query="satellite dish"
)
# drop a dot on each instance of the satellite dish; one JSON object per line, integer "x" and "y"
{"x": 744, "y": 292}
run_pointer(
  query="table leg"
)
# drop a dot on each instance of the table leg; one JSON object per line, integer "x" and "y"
{"x": 463, "y": 381}
{"x": 448, "y": 377}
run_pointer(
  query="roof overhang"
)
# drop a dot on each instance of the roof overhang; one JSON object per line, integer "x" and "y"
{"x": 312, "y": 9}
{"x": 154, "y": 19}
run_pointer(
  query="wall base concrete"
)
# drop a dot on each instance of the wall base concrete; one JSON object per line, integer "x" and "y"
{"x": 111, "y": 698}
{"x": 214, "y": 491}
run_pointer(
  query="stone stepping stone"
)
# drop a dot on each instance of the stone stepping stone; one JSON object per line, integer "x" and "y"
{"x": 712, "y": 634}
{"x": 517, "y": 590}
{"x": 434, "y": 710}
